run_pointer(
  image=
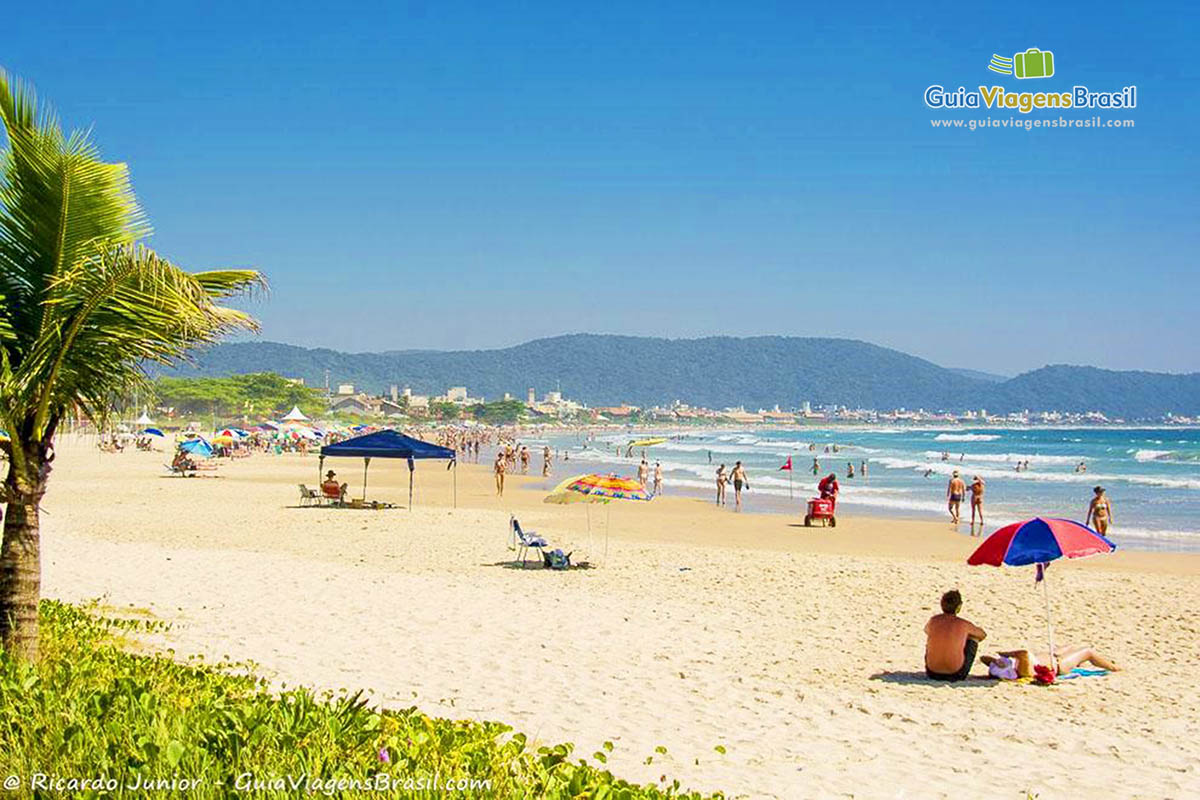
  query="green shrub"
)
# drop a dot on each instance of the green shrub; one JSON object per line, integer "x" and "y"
{"x": 92, "y": 710}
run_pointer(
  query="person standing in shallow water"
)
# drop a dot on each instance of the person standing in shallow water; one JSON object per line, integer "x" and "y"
{"x": 1099, "y": 514}
{"x": 977, "y": 488}
{"x": 738, "y": 476}
{"x": 954, "y": 496}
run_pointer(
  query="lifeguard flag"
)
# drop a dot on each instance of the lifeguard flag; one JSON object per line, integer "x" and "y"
{"x": 788, "y": 464}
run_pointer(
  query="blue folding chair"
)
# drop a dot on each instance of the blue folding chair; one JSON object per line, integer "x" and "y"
{"x": 523, "y": 542}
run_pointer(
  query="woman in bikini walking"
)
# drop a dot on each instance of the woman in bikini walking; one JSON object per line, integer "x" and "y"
{"x": 1099, "y": 514}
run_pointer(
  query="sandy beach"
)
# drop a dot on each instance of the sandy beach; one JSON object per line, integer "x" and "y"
{"x": 797, "y": 651}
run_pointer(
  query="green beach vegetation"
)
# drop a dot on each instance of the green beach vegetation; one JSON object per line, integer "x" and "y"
{"x": 84, "y": 307}
{"x": 260, "y": 395}
{"x": 94, "y": 707}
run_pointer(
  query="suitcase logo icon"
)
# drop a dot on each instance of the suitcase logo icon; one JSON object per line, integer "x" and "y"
{"x": 1033, "y": 63}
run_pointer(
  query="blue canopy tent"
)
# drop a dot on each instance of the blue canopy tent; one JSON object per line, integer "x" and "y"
{"x": 389, "y": 444}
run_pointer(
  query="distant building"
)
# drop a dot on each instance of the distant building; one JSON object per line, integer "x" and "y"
{"x": 391, "y": 408}
{"x": 415, "y": 401}
{"x": 532, "y": 397}
{"x": 352, "y": 404}
{"x": 345, "y": 389}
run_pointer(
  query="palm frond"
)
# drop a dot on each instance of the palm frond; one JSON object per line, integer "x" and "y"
{"x": 112, "y": 314}
{"x": 58, "y": 199}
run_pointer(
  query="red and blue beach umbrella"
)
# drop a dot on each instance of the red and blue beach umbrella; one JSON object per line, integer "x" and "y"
{"x": 1039, "y": 541}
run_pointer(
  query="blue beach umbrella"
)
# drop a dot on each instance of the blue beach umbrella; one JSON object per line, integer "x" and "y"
{"x": 153, "y": 432}
{"x": 197, "y": 447}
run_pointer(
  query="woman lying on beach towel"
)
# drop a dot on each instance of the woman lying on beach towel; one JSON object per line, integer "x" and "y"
{"x": 1013, "y": 664}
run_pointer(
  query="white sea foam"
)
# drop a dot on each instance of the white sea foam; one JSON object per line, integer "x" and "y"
{"x": 1151, "y": 455}
{"x": 966, "y": 437}
{"x": 948, "y": 467}
{"x": 1008, "y": 458}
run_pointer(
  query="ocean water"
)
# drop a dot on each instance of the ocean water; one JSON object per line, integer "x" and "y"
{"x": 1152, "y": 475}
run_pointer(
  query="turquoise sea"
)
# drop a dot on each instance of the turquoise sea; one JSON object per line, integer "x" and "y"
{"x": 1152, "y": 475}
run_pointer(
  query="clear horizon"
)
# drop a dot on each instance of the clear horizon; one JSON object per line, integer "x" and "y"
{"x": 453, "y": 177}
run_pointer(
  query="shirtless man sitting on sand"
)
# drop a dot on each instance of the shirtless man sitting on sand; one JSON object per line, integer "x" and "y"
{"x": 951, "y": 641}
{"x": 1065, "y": 659}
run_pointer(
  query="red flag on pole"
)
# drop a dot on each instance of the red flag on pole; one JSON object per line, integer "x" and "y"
{"x": 788, "y": 465}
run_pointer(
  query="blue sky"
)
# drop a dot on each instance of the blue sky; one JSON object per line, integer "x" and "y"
{"x": 441, "y": 175}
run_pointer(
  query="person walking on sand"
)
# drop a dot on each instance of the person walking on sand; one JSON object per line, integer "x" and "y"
{"x": 954, "y": 496}
{"x": 498, "y": 468}
{"x": 738, "y": 476}
{"x": 546, "y": 461}
{"x": 643, "y": 473}
{"x": 524, "y": 460}
{"x": 1099, "y": 514}
{"x": 950, "y": 641}
{"x": 657, "y": 477}
{"x": 977, "y": 502}
{"x": 722, "y": 479}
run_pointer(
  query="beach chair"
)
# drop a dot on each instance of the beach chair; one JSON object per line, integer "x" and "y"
{"x": 334, "y": 497}
{"x": 308, "y": 496}
{"x": 523, "y": 541}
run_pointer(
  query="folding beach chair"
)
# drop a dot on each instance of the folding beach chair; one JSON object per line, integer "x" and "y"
{"x": 523, "y": 542}
{"x": 308, "y": 496}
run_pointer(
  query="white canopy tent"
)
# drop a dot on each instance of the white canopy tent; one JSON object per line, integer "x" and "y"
{"x": 295, "y": 415}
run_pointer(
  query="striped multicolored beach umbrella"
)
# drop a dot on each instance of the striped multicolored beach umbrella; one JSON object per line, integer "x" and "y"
{"x": 609, "y": 487}
{"x": 1039, "y": 541}
{"x": 590, "y": 489}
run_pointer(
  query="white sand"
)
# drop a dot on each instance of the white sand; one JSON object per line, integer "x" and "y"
{"x": 770, "y": 643}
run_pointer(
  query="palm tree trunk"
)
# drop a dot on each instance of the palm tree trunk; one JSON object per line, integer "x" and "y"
{"x": 20, "y": 555}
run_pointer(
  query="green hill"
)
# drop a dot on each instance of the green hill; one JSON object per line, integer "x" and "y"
{"x": 715, "y": 372}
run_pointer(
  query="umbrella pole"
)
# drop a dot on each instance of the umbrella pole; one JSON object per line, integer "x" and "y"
{"x": 607, "y": 520}
{"x": 410, "y": 481}
{"x": 1049, "y": 627}
{"x": 366, "y": 463}
{"x": 455, "y": 481}
{"x": 320, "y": 466}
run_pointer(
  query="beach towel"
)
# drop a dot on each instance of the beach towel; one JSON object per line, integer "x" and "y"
{"x": 1080, "y": 672}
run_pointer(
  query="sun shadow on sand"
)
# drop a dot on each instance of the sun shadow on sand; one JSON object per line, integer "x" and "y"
{"x": 919, "y": 679}
{"x": 537, "y": 566}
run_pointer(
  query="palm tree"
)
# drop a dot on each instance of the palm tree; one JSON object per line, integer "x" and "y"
{"x": 83, "y": 309}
